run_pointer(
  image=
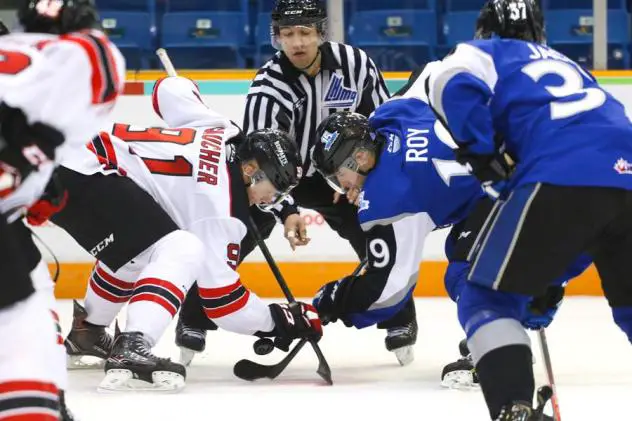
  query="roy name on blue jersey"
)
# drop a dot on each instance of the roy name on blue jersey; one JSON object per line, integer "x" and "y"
{"x": 415, "y": 187}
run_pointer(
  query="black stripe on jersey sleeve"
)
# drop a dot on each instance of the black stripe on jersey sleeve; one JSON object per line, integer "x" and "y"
{"x": 368, "y": 287}
{"x": 109, "y": 68}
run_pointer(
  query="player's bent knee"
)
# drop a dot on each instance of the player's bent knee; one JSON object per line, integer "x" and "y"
{"x": 455, "y": 278}
{"x": 491, "y": 318}
{"x": 182, "y": 245}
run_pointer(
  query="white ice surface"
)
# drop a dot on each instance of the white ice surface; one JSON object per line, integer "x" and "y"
{"x": 591, "y": 359}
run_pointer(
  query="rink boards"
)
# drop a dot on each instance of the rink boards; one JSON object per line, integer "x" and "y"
{"x": 327, "y": 257}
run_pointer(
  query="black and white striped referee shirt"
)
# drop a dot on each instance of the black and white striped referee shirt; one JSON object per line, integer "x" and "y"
{"x": 282, "y": 97}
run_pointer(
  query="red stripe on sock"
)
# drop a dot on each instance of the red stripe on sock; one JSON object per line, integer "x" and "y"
{"x": 104, "y": 294}
{"x": 219, "y": 292}
{"x": 155, "y": 299}
{"x": 169, "y": 286}
{"x": 27, "y": 385}
{"x": 30, "y": 417}
{"x": 60, "y": 340}
{"x": 128, "y": 286}
{"x": 233, "y": 307}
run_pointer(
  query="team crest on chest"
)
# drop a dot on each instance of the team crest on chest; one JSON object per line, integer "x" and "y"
{"x": 363, "y": 204}
{"x": 337, "y": 95}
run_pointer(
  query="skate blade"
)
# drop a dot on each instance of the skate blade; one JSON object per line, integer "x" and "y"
{"x": 186, "y": 356}
{"x": 459, "y": 380}
{"x": 123, "y": 381}
{"x": 84, "y": 362}
{"x": 405, "y": 355}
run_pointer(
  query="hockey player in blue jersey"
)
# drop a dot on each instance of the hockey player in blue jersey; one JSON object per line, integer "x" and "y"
{"x": 538, "y": 313}
{"x": 398, "y": 167}
{"x": 402, "y": 166}
{"x": 570, "y": 192}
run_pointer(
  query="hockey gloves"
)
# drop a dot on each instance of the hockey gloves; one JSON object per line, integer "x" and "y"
{"x": 52, "y": 201}
{"x": 491, "y": 170}
{"x": 23, "y": 147}
{"x": 329, "y": 301}
{"x": 541, "y": 310}
{"x": 294, "y": 321}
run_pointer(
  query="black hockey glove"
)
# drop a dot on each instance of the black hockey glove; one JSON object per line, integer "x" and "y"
{"x": 541, "y": 310}
{"x": 491, "y": 170}
{"x": 294, "y": 321}
{"x": 52, "y": 201}
{"x": 23, "y": 147}
{"x": 330, "y": 300}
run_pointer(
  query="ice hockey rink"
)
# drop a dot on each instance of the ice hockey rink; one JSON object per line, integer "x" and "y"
{"x": 591, "y": 359}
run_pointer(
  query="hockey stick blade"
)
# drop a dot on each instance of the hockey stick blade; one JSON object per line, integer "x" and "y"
{"x": 250, "y": 370}
{"x": 324, "y": 370}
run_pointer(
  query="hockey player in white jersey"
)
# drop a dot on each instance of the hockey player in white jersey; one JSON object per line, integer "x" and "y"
{"x": 206, "y": 185}
{"x": 57, "y": 68}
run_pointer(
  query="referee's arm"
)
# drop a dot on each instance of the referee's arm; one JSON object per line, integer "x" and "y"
{"x": 374, "y": 92}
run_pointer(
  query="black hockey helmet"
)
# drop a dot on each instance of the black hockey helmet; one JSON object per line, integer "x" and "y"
{"x": 298, "y": 13}
{"x": 277, "y": 157}
{"x": 3, "y": 28}
{"x": 337, "y": 138}
{"x": 516, "y": 19}
{"x": 57, "y": 16}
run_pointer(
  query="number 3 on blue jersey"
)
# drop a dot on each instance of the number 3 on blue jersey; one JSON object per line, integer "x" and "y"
{"x": 573, "y": 85}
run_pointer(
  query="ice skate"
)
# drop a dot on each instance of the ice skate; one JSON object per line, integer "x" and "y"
{"x": 401, "y": 340}
{"x": 132, "y": 366}
{"x": 87, "y": 345}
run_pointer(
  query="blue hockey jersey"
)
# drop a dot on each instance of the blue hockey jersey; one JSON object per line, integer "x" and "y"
{"x": 415, "y": 186}
{"x": 416, "y": 171}
{"x": 559, "y": 125}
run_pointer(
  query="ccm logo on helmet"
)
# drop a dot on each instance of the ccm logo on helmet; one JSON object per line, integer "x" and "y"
{"x": 280, "y": 154}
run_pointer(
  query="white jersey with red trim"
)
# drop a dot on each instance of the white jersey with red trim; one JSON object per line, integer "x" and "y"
{"x": 190, "y": 170}
{"x": 69, "y": 82}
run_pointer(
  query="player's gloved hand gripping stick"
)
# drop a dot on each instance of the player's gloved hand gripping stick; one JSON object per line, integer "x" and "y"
{"x": 250, "y": 370}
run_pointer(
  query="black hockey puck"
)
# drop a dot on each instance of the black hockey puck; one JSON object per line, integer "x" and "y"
{"x": 263, "y": 346}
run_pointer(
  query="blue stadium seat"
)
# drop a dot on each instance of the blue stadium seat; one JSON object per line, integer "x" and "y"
{"x": 131, "y": 25}
{"x": 266, "y": 5}
{"x": 205, "y": 39}
{"x": 618, "y": 57}
{"x": 263, "y": 44}
{"x": 570, "y": 31}
{"x": 364, "y": 5}
{"x": 579, "y": 4}
{"x": 464, "y": 5}
{"x": 396, "y": 39}
{"x": 458, "y": 27}
{"x": 196, "y": 5}
{"x": 138, "y": 5}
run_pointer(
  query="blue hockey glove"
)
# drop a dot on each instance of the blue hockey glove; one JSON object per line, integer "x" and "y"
{"x": 329, "y": 300}
{"x": 491, "y": 170}
{"x": 541, "y": 310}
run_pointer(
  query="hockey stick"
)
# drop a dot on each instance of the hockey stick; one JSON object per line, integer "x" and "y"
{"x": 166, "y": 62}
{"x": 546, "y": 356}
{"x": 250, "y": 370}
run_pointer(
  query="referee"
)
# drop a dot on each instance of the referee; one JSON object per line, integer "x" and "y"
{"x": 306, "y": 81}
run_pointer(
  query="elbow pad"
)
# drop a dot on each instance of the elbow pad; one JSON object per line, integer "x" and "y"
{"x": 16, "y": 133}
